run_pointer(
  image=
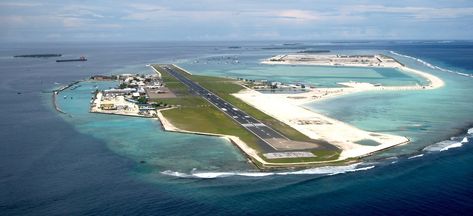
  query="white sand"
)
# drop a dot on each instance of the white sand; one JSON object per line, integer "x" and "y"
{"x": 317, "y": 126}
{"x": 287, "y": 108}
{"x": 353, "y": 87}
{"x": 250, "y": 152}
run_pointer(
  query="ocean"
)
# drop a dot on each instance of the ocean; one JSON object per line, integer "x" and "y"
{"x": 80, "y": 163}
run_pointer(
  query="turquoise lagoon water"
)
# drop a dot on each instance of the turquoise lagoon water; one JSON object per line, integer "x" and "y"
{"x": 144, "y": 141}
{"x": 415, "y": 114}
{"x": 321, "y": 76}
{"x": 84, "y": 164}
{"x": 425, "y": 117}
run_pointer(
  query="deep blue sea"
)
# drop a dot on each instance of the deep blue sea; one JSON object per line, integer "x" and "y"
{"x": 84, "y": 164}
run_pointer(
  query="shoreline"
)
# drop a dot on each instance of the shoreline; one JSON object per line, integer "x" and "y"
{"x": 352, "y": 141}
{"x": 257, "y": 161}
{"x": 250, "y": 153}
{"x": 308, "y": 122}
{"x": 317, "y": 126}
{"x": 350, "y": 87}
{"x": 288, "y": 108}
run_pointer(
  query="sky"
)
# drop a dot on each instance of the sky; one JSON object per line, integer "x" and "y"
{"x": 208, "y": 20}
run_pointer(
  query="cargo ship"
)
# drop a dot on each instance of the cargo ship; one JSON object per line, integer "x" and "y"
{"x": 82, "y": 58}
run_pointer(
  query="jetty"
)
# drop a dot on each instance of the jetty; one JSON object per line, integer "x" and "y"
{"x": 57, "y": 91}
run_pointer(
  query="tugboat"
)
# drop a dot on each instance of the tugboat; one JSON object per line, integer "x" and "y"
{"x": 82, "y": 58}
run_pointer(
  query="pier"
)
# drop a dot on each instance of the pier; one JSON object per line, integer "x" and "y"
{"x": 57, "y": 91}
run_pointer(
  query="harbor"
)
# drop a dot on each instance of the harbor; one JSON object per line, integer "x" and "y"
{"x": 56, "y": 92}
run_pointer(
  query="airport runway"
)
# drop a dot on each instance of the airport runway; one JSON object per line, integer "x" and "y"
{"x": 266, "y": 134}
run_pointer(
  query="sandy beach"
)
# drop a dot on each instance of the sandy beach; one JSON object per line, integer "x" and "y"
{"x": 350, "y": 86}
{"x": 317, "y": 126}
{"x": 288, "y": 108}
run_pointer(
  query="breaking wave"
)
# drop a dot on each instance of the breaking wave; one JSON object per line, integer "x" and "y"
{"x": 416, "y": 156}
{"x": 431, "y": 65}
{"x": 446, "y": 145}
{"x": 326, "y": 170}
{"x": 454, "y": 142}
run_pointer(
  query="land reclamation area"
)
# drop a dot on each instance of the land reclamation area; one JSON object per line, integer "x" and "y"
{"x": 193, "y": 113}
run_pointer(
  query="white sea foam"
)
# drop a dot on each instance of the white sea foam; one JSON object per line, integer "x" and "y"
{"x": 443, "y": 146}
{"x": 327, "y": 170}
{"x": 227, "y": 174}
{"x": 416, "y": 156}
{"x": 470, "y": 131}
{"x": 210, "y": 175}
{"x": 431, "y": 65}
{"x": 176, "y": 174}
{"x": 454, "y": 145}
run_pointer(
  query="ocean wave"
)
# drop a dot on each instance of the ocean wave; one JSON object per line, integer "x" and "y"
{"x": 443, "y": 146}
{"x": 431, "y": 65}
{"x": 326, "y": 170}
{"x": 454, "y": 145}
{"x": 470, "y": 131}
{"x": 176, "y": 174}
{"x": 416, "y": 156}
{"x": 211, "y": 175}
{"x": 329, "y": 170}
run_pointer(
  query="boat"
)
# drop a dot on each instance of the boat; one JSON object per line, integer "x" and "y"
{"x": 82, "y": 58}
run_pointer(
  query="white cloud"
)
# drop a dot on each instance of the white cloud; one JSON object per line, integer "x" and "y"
{"x": 300, "y": 15}
{"x": 81, "y": 11}
{"x": 424, "y": 13}
{"x": 19, "y": 4}
{"x": 72, "y": 22}
{"x": 146, "y": 7}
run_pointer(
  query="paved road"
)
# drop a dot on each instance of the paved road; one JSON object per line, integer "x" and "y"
{"x": 266, "y": 134}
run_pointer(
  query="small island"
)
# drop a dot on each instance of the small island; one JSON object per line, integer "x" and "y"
{"x": 272, "y": 130}
{"x": 38, "y": 56}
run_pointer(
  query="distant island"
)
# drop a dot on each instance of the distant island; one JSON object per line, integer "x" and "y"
{"x": 38, "y": 56}
{"x": 314, "y": 51}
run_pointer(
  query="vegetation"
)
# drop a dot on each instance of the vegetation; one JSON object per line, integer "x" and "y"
{"x": 225, "y": 89}
{"x": 122, "y": 86}
{"x": 193, "y": 113}
{"x": 208, "y": 119}
{"x": 204, "y": 117}
{"x": 142, "y": 100}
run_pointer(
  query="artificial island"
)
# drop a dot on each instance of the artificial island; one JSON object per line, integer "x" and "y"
{"x": 272, "y": 130}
